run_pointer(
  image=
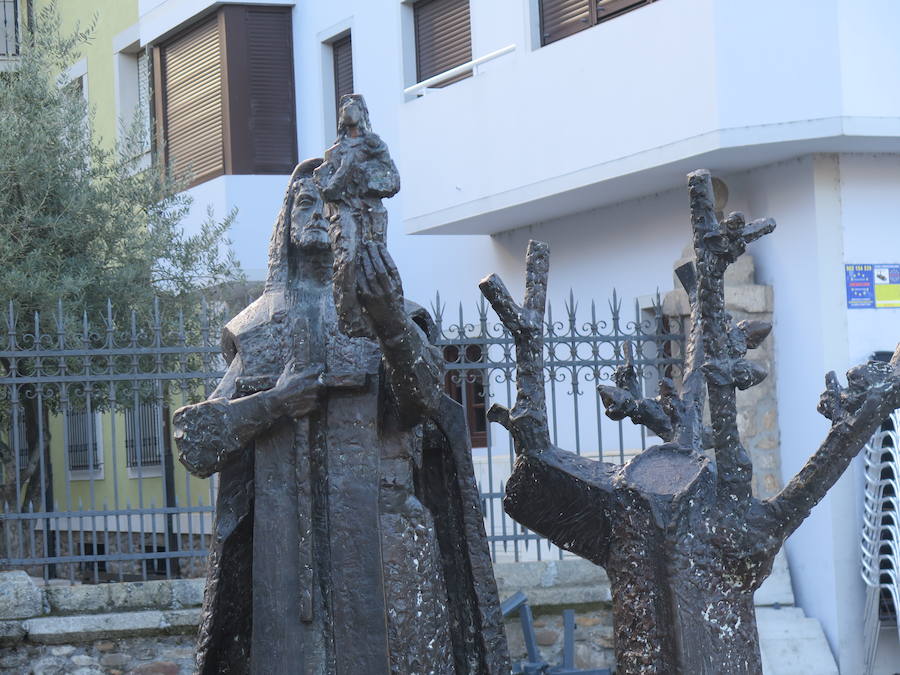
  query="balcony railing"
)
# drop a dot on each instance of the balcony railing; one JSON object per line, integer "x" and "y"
{"x": 468, "y": 67}
{"x": 9, "y": 30}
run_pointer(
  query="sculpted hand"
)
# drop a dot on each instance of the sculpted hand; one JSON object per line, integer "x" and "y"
{"x": 297, "y": 392}
{"x": 378, "y": 286}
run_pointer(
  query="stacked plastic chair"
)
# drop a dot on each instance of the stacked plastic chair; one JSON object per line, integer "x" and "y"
{"x": 881, "y": 533}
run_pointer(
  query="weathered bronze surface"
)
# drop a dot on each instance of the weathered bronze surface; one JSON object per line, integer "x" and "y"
{"x": 349, "y": 537}
{"x": 684, "y": 542}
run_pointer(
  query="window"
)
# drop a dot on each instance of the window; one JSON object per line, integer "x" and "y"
{"x": 142, "y": 443}
{"x": 562, "y": 18}
{"x": 24, "y": 452}
{"x": 224, "y": 100}
{"x": 144, "y": 105}
{"x": 133, "y": 104}
{"x": 443, "y": 38}
{"x": 466, "y": 386}
{"x": 343, "y": 69}
{"x": 75, "y": 83}
{"x": 83, "y": 448}
{"x": 9, "y": 28}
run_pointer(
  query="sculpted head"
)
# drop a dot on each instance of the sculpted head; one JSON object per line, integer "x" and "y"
{"x": 309, "y": 228}
{"x": 353, "y": 115}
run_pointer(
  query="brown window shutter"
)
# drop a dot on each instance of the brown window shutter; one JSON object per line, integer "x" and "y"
{"x": 191, "y": 79}
{"x": 608, "y": 9}
{"x": 343, "y": 69}
{"x": 562, "y": 18}
{"x": 270, "y": 95}
{"x": 443, "y": 37}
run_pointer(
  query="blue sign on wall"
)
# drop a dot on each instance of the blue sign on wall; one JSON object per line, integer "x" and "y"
{"x": 860, "y": 286}
{"x": 873, "y": 286}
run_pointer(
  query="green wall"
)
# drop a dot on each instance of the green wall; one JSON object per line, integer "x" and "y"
{"x": 112, "y": 17}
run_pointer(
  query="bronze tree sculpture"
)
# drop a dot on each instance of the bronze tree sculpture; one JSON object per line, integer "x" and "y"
{"x": 682, "y": 538}
{"x": 348, "y": 535}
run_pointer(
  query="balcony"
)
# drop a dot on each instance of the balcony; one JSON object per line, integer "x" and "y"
{"x": 627, "y": 107}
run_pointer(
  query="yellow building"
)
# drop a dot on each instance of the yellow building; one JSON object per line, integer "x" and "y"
{"x": 110, "y": 497}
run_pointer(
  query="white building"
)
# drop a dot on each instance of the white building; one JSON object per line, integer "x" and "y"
{"x": 585, "y": 142}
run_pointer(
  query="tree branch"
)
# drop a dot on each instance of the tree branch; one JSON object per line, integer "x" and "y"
{"x": 527, "y": 421}
{"x": 856, "y": 412}
{"x": 716, "y": 246}
{"x": 624, "y": 400}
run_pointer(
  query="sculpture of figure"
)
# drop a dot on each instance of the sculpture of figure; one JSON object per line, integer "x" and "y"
{"x": 684, "y": 541}
{"x": 356, "y": 174}
{"x": 348, "y": 537}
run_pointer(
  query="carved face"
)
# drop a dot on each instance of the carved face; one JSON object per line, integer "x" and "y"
{"x": 351, "y": 113}
{"x": 308, "y": 226}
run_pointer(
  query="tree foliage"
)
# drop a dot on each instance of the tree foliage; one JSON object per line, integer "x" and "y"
{"x": 82, "y": 222}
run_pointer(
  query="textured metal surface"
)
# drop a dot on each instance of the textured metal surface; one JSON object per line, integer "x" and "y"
{"x": 681, "y": 537}
{"x": 358, "y": 529}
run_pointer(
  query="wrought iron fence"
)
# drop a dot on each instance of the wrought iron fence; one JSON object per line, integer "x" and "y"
{"x": 90, "y": 490}
{"x": 9, "y": 28}
{"x": 581, "y": 350}
{"x": 89, "y": 487}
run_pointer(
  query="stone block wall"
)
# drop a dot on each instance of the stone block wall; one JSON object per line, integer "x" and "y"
{"x": 757, "y": 406}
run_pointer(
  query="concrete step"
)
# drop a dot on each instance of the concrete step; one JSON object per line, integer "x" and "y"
{"x": 88, "y": 627}
{"x": 792, "y": 644}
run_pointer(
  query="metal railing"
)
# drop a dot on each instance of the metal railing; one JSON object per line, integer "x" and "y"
{"x": 9, "y": 28}
{"x": 419, "y": 88}
{"x": 581, "y": 350}
{"x": 128, "y": 511}
{"x": 89, "y": 489}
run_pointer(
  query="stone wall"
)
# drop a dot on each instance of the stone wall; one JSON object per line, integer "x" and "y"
{"x": 757, "y": 406}
{"x": 149, "y": 627}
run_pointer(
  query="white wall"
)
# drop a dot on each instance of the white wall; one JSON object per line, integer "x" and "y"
{"x": 257, "y": 200}
{"x": 452, "y": 265}
{"x": 830, "y": 210}
{"x": 625, "y": 107}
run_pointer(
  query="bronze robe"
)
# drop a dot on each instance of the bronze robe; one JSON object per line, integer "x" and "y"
{"x": 355, "y": 540}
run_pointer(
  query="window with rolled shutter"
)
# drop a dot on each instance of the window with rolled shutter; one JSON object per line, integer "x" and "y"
{"x": 608, "y": 9}
{"x": 342, "y": 51}
{"x": 193, "y": 115}
{"x": 562, "y": 18}
{"x": 268, "y": 99}
{"x": 224, "y": 93}
{"x": 443, "y": 37}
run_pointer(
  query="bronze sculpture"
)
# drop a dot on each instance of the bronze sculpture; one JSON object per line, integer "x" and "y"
{"x": 684, "y": 542}
{"x": 349, "y": 537}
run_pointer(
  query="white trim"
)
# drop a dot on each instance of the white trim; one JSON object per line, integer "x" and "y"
{"x": 73, "y": 72}
{"x": 128, "y": 40}
{"x": 170, "y": 16}
{"x": 77, "y": 70}
{"x": 125, "y": 46}
{"x": 626, "y": 177}
{"x": 153, "y": 471}
{"x": 86, "y": 474}
{"x": 327, "y": 38}
{"x": 533, "y": 23}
